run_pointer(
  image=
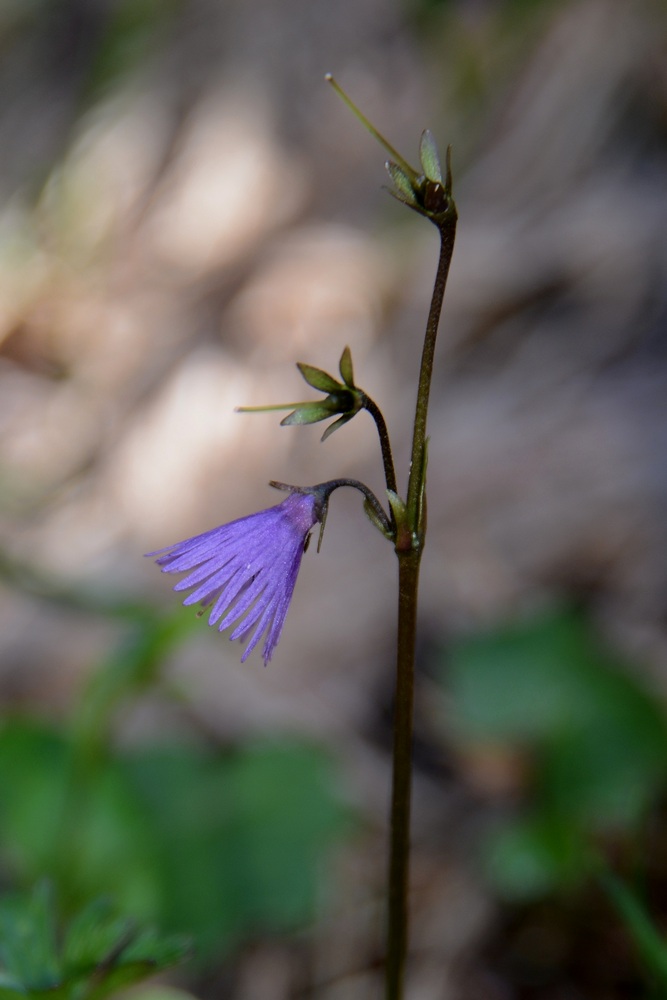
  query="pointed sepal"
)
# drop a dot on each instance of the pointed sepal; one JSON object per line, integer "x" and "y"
{"x": 429, "y": 157}
{"x": 337, "y": 424}
{"x": 404, "y": 188}
{"x": 346, "y": 369}
{"x": 317, "y": 378}
{"x": 307, "y": 413}
{"x": 427, "y": 194}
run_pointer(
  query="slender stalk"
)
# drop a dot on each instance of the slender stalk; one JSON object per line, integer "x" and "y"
{"x": 447, "y": 231}
{"x": 326, "y": 489}
{"x": 409, "y": 545}
{"x": 370, "y": 127}
{"x": 399, "y": 852}
{"x": 387, "y": 457}
{"x": 371, "y": 499}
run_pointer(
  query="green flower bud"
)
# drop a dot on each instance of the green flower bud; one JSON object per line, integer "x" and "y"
{"x": 426, "y": 193}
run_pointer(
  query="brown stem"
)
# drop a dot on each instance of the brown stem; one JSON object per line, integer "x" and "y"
{"x": 447, "y": 231}
{"x": 399, "y": 854}
{"x": 385, "y": 445}
{"x": 410, "y": 536}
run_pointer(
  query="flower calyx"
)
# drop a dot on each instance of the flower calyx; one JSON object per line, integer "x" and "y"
{"x": 342, "y": 398}
{"x": 322, "y": 492}
{"x": 425, "y": 192}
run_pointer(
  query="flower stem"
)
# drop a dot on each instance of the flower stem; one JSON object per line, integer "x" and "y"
{"x": 409, "y": 546}
{"x": 447, "y": 230}
{"x": 387, "y": 457}
{"x": 399, "y": 852}
{"x": 324, "y": 491}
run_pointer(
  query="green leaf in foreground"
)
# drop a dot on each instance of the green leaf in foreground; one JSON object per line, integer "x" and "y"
{"x": 647, "y": 938}
{"x": 99, "y": 951}
{"x": 593, "y": 742}
{"x": 220, "y": 845}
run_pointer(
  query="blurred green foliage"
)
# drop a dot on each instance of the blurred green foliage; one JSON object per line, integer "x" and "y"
{"x": 129, "y": 40}
{"x": 127, "y": 34}
{"x": 649, "y": 940}
{"x": 595, "y": 741}
{"x": 96, "y": 954}
{"x": 218, "y": 844}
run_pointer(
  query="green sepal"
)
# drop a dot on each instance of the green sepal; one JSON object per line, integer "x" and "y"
{"x": 338, "y": 423}
{"x": 317, "y": 378}
{"x": 307, "y": 413}
{"x": 405, "y": 186}
{"x": 346, "y": 370}
{"x": 429, "y": 157}
{"x": 372, "y": 516}
{"x": 428, "y": 195}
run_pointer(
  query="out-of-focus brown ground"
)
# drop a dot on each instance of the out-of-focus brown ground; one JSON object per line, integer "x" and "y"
{"x": 169, "y": 252}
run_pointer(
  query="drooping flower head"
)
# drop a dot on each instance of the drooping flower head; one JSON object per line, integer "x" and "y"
{"x": 245, "y": 571}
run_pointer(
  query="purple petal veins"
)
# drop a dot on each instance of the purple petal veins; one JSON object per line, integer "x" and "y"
{"x": 246, "y": 571}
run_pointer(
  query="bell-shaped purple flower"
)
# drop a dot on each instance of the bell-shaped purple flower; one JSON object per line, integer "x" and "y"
{"x": 245, "y": 571}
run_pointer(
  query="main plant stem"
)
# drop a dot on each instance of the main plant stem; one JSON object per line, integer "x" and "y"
{"x": 416, "y": 482}
{"x": 409, "y": 546}
{"x": 399, "y": 853}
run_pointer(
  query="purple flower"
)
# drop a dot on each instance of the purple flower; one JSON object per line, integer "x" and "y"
{"x": 245, "y": 571}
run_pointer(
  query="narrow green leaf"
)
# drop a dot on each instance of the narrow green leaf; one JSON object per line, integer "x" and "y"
{"x": 92, "y": 935}
{"x": 317, "y": 378}
{"x": 646, "y": 936}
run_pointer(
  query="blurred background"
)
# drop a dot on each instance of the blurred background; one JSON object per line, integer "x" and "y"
{"x": 186, "y": 210}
